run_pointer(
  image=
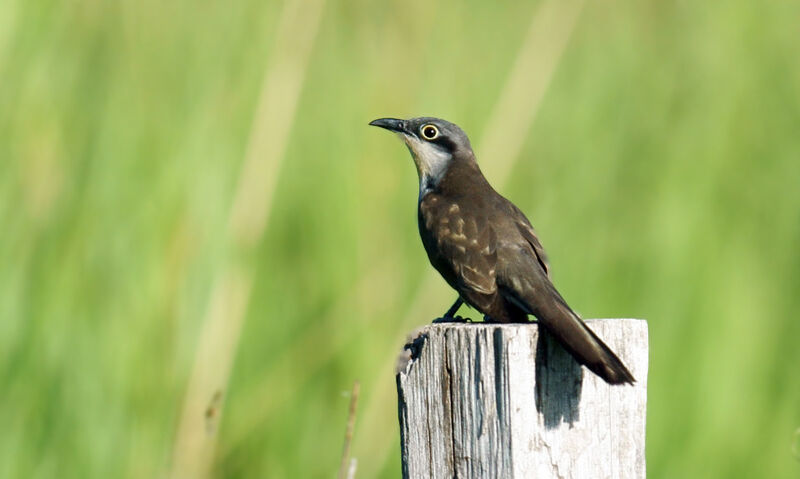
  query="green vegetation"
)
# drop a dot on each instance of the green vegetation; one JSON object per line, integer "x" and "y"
{"x": 661, "y": 169}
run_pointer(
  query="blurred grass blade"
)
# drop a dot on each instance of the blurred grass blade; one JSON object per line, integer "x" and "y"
{"x": 273, "y": 120}
{"x": 347, "y": 467}
{"x": 194, "y": 447}
{"x": 527, "y": 83}
{"x": 193, "y": 452}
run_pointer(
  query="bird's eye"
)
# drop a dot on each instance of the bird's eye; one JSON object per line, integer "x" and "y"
{"x": 430, "y": 132}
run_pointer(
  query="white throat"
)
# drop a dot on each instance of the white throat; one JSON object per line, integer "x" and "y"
{"x": 431, "y": 161}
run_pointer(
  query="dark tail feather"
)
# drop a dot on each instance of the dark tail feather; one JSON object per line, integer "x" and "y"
{"x": 560, "y": 321}
{"x": 586, "y": 347}
{"x": 606, "y": 365}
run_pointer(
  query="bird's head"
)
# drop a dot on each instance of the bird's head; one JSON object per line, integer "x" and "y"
{"x": 435, "y": 144}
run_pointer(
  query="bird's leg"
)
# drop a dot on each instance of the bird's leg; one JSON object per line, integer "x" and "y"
{"x": 450, "y": 315}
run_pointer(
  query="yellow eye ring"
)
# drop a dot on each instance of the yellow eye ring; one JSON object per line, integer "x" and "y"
{"x": 429, "y": 132}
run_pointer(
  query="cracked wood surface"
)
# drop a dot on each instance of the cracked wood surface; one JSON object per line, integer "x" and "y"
{"x": 501, "y": 400}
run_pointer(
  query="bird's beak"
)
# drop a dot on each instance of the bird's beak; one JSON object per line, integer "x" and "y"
{"x": 391, "y": 124}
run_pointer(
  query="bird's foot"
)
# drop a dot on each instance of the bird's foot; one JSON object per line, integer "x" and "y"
{"x": 451, "y": 319}
{"x": 488, "y": 319}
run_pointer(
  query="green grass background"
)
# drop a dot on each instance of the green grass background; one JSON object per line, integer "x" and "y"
{"x": 662, "y": 171}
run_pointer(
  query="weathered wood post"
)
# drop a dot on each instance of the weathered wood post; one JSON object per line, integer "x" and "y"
{"x": 490, "y": 400}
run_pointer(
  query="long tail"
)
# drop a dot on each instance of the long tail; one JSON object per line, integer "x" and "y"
{"x": 588, "y": 349}
{"x": 556, "y": 317}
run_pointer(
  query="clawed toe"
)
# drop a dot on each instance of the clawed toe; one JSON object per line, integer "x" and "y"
{"x": 450, "y": 319}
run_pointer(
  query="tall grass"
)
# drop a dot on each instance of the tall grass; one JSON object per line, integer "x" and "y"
{"x": 660, "y": 166}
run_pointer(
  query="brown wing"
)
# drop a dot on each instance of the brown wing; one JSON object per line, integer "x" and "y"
{"x": 476, "y": 256}
{"x": 472, "y": 255}
{"x": 465, "y": 255}
{"x": 527, "y": 231}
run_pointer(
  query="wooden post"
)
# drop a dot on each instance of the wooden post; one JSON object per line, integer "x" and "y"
{"x": 489, "y": 400}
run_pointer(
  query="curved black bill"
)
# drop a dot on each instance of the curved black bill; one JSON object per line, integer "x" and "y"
{"x": 391, "y": 124}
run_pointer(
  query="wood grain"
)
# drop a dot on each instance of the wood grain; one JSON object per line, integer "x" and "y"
{"x": 478, "y": 400}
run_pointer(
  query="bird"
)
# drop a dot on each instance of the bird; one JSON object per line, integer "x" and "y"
{"x": 485, "y": 248}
